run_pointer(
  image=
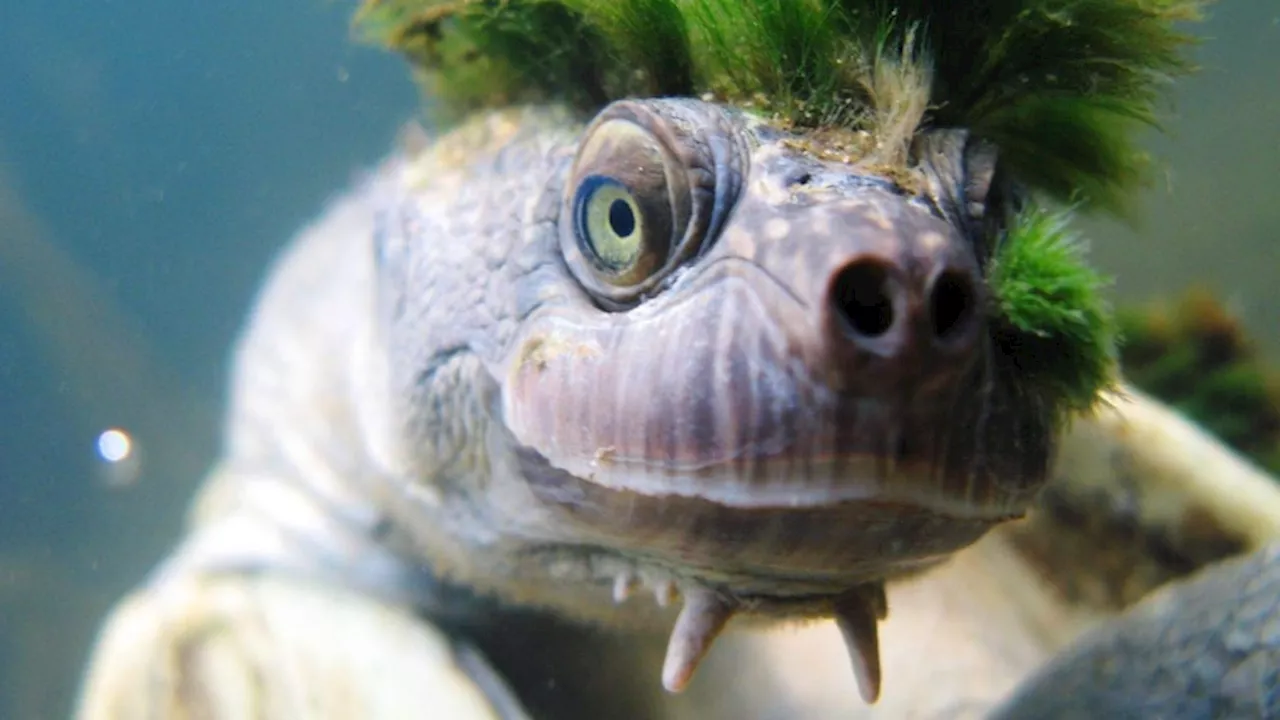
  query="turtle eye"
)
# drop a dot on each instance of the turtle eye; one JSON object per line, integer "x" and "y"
{"x": 624, "y": 210}
{"x": 611, "y": 223}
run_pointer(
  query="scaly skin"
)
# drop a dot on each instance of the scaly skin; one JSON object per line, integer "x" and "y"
{"x": 728, "y": 402}
{"x": 1209, "y": 647}
{"x": 431, "y": 416}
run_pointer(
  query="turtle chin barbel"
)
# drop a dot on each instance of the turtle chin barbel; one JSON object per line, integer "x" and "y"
{"x": 801, "y": 403}
{"x": 722, "y": 560}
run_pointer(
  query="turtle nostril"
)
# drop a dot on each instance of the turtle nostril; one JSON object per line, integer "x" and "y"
{"x": 951, "y": 304}
{"x": 860, "y": 295}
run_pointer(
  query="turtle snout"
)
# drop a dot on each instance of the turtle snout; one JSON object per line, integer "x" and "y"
{"x": 887, "y": 316}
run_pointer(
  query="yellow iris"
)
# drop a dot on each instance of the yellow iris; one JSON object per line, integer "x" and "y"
{"x": 614, "y": 226}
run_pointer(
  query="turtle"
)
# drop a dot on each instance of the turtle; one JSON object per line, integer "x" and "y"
{"x": 698, "y": 353}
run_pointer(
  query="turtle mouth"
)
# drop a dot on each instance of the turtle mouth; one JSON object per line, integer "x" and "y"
{"x": 780, "y": 560}
{"x": 780, "y": 549}
{"x": 709, "y": 597}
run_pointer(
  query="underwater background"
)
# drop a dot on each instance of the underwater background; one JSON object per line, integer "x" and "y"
{"x": 154, "y": 156}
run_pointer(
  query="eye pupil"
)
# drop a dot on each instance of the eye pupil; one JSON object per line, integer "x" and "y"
{"x": 621, "y": 219}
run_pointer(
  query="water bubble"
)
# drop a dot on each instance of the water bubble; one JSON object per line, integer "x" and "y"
{"x": 119, "y": 463}
{"x": 114, "y": 445}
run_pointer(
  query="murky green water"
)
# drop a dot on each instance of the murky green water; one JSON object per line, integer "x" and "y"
{"x": 1214, "y": 217}
{"x": 154, "y": 155}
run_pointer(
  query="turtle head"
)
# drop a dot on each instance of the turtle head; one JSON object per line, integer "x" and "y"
{"x": 764, "y": 373}
{"x": 767, "y": 368}
{"x": 810, "y": 331}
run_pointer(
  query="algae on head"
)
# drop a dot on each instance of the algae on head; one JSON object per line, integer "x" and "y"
{"x": 1051, "y": 321}
{"x": 1060, "y": 87}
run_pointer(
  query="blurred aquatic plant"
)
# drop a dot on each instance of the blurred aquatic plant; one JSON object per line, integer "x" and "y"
{"x": 1194, "y": 354}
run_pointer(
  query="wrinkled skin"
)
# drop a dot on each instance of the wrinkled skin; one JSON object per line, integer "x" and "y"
{"x": 718, "y": 422}
{"x": 446, "y": 409}
{"x": 788, "y": 396}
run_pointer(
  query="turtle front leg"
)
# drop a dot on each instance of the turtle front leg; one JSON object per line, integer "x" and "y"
{"x": 224, "y": 646}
